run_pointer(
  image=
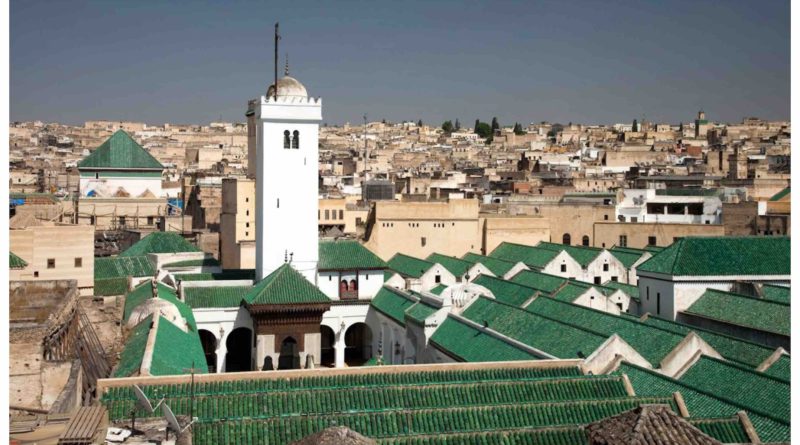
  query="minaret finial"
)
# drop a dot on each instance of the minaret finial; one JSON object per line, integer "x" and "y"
{"x": 286, "y": 70}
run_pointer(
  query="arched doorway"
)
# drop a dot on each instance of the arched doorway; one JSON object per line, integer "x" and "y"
{"x": 240, "y": 349}
{"x": 566, "y": 239}
{"x": 209, "y": 342}
{"x": 290, "y": 354}
{"x": 328, "y": 344}
{"x": 358, "y": 344}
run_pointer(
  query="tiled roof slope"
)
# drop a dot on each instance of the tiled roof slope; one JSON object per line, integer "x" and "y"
{"x": 203, "y": 262}
{"x": 160, "y": 242}
{"x": 702, "y": 403}
{"x": 571, "y": 291}
{"x": 130, "y": 359}
{"x": 627, "y": 256}
{"x": 437, "y": 290}
{"x": 347, "y": 255}
{"x": 754, "y": 390}
{"x": 724, "y": 256}
{"x": 743, "y": 311}
{"x": 231, "y": 274}
{"x": 420, "y": 311}
{"x": 454, "y": 265}
{"x": 497, "y": 266}
{"x": 16, "y": 262}
{"x": 145, "y": 290}
{"x": 214, "y": 297}
{"x": 582, "y": 254}
{"x": 731, "y": 348}
{"x": 781, "y": 368}
{"x": 466, "y": 343}
{"x": 543, "y": 282}
{"x": 285, "y": 286}
{"x": 392, "y": 303}
{"x": 506, "y": 291}
{"x": 628, "y": 289}
{"x": 409, "y": 266}
{"x": 781, "y": 194}
{"x": 529, "y": 255}
{"x": 127, "y": 266}
{"x": 778, "y": 294}
{"x": 120, "y": 151}
{"x": 169, "y": 341}
{"x": 548, "y": 335}
{"x": 652, "y": 343}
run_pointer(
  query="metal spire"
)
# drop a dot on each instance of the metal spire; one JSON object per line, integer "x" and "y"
{"x": 286, "y": 70}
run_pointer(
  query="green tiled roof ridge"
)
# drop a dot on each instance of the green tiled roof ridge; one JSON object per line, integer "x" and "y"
{"x": 120, "y": 151}
{"x": 701, "y": 391}
{"x": 15, "y": 262}
{"x": 747, "y": 370}
{"x": 454, "y": 265}
{"x": 498, "y": 266}
{"x": 747, "y": 297}
{"x": 764, "y": 315}
{"x": 160, "y": 242}
{"x": 399, "y": 259}
{"x": 285, "y": 275}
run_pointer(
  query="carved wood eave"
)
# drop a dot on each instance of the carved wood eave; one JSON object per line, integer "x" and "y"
{"x": 257, "y": 309}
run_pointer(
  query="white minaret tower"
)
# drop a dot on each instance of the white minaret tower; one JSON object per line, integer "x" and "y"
{"x": 284, "y": 155}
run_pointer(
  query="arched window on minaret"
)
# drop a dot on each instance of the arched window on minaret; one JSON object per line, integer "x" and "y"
{"x": 296, "y": 139}
{"x": 286, "y": 139}
{"x": 343, "y": 286}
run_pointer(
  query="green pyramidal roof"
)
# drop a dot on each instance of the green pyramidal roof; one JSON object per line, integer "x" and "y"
{"x": 723, "y": 256}
{"x": 347, "y": 255}
{"x": 16, "y": 262}
{"x": 160, "y": 242}
{"x": 120, "y": 151}
{"x": 285, "y": 286}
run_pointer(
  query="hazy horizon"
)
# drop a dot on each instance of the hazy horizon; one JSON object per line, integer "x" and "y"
{"x": 578, "y": 61}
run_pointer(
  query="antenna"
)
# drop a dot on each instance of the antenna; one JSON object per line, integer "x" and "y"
{"x": 286, "y": 69}
{"x": 143, "y": 402}
{"x": 277, "y": 37}
{"x": 366, "y": 152}
{"x": 172, "y": 421}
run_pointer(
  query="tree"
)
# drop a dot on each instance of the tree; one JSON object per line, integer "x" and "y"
{"x": 495, "y": 124}
{"x": 383, "y": 121}
{"x": 447, "y": 127}
{"x": 458, "y": 125}
{"x": 484, "y": 130}
{"x": 477, "y": 124}
{"x": 419, "y": 123}
{"x": 518, "y": 129}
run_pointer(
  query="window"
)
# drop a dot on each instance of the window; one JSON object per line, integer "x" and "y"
{"x": 36, "y": 274}
{"x": 658, "y": 303}
{"x": 596, "y": 280}
{"x": 585, "y": 240}
{"x": 51, "y": 263}
{"x": 423, "y": 241}
{"x": 247, "y": 224}
{"x": 634, "y": 219}
{"x": 619, "y": 305}
{"x": 296, "y": 139}
{"x": 149, "y": 220}
{"x": 651, "y": 241}
{"x": 78, "y": 262}
{"x": 247, "y": 213}
{"x": 438, "y": 279}
{"x": 246, "y": 199}
{"x": 246, "y": 233}
{"x": 605, "y": 217}
{"x": 563, "y": 268}
{"x": 605, "y": 267}
{"x": 565, "y": 240}
{"x": 279, "y": 202}
{"x": 647, "y": 290}
{"x": 327, "y": 215}
{"x": 615, "y": 279}
{"x": 341, "y": 214}
{"x": 122, "y": 220}
{"x": 92, "y": 220}
{"x": 286, "y": 140}
{"x": 623, "y": 241}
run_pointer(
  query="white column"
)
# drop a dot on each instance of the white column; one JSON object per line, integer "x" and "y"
{"x": 339, "y": 349}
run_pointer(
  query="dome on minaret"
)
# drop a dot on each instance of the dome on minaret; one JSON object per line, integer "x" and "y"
{"x": 288, "y": 87}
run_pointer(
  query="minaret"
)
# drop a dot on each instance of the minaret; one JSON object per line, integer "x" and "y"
{"x": 284, "y": 157}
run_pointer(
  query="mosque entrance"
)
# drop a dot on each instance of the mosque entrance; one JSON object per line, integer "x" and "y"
{"x": 290, "y": 354}
{"x": 209, "y": 342}
{"x": 328, "y": 351}
{"x": 240, "y": 349}
{"x": 358, "y": 344}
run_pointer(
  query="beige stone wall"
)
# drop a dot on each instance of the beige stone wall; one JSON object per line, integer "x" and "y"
{"x": 513, "y": 229}
{"x": 62, "y": 243}
{"x": 237, "y": 222}
{"x": 626, "y": 158}
{"x": 107, "y": 211}
{"x": 607, "y": 234}
{"x": 574, "y": 219}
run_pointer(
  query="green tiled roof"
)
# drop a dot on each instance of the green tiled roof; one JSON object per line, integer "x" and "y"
{"x": 145, "y": 290}
{"x": 347, "y": 255}
{"x": 627, "y": 256}
{"x": 216, "y": 296}
{"x": 160, "y": 242}
{"x": 551, "y": 336}
{"x": 506, "y": 291}
{"x": 701, "y": 403}
{"x": 285, "y": 286}
{"x": 438, "y": 289}
{"x": 106, "y": 287}
{"x": 203, "y": 262}
{"x": 454, "y": 265}
{"x": 778, "y": 196}
{"x": 732, "y": 348}
{"x": 16, "y": 262}
{"x": 778, "y": 294}
{"x": 468, "y": 344}
{"x": 724, "y": 256}
{"x": 757, "y": 391}
{"x": 392, "y": 303}
{"x": 571, "y": 291}
{"x": 529, "y": 255}
{"x": 169, "y": 340}
{"x": 420, "y": 311}
{"x": 408, "y": 266}
{"x": 229, "y": 274}
{"x": 654, "y": 249}
{"x": 128, "y": 266}
{"x": 781, "y": 368}
{"x": 543, "y": 282}
{"x": 582, "y": 254}
{"x": 742, "y": 310}
{"x": 497, "y": 266}
{"x": 628, "y": 289}
{"x": 388, "y": 274}
{"x": 652, "y": 343}
{"x": 130, "y": 360}
{"x": 120, "y": 151}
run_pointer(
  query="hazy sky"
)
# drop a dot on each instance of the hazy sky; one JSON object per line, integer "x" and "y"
{"x": 582, "y": 61}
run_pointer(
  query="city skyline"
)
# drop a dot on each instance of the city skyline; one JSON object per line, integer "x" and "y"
{"x": 627, "y": 61}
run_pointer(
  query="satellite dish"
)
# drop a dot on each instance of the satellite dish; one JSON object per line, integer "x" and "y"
{"x": 143, "y": 402}
{"x": 172, "y": 421}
